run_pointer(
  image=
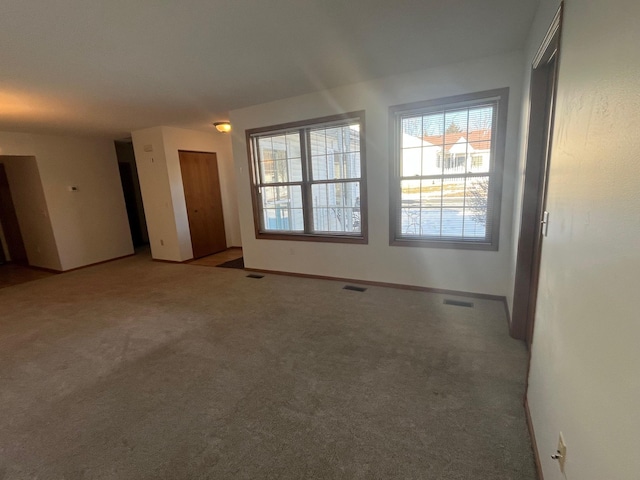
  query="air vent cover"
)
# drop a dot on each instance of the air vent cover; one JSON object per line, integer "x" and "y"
{"x": 354, "y": 288}
{"x": 255, "y": 275}
{"x": 458, "y": 303}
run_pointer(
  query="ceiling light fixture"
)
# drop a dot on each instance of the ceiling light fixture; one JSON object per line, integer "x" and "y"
{"x": 223, "y": 127}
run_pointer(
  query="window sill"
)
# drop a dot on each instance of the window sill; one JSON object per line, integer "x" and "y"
{"x": 309, "y": 237}
{"x": 450, "y": 244}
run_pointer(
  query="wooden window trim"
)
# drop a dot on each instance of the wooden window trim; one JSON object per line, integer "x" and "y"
{"x": 363, "y": 237}
{"x": 495, "y": 193}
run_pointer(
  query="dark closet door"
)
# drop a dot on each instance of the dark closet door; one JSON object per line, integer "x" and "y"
{"x": 204, "y": 202}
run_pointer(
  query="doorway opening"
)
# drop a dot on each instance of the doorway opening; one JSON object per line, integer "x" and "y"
{"x": 131, "y": 191}
{"x": 9, "y": 227}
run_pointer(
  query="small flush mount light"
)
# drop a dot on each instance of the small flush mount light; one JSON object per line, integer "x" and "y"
{"x": 224, "y": 127}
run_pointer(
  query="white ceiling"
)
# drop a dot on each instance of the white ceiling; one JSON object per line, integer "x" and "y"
{"x": 108, "y": 67}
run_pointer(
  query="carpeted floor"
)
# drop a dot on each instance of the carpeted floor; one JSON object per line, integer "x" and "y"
{"x": 144, "y": 370}
{"x": 12, "y": 274}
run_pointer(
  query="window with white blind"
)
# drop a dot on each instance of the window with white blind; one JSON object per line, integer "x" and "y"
{"x": 308, "y": 180}
{"x": 446, "y": 184}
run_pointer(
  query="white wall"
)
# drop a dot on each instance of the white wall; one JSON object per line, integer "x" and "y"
{"x": 89, "y": 225}
{"x": 464, "y": 270}
{"x": 31, "y": 210}
{"x": 584, "y": 378}
{"x": 163, "y": 193}
{"x": 156, "y": 194}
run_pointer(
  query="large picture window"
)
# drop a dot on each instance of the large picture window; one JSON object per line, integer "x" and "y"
{"x": 308, "y": 180}
{"x": 447, "y": 165}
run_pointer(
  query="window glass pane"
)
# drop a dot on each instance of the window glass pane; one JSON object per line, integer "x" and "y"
{"x": 421, "y": 222}
{"x": 475, "y": 222}
{"x": 421, "y": 160}
{"x": 432, "y": 161}
{"x": 336, "y": 207}
{"x": 455, "y": 126}
{"x": 480, "y": 153}
{"x": 334, "y": 139}
{"x": 444, "y": 208}
{"x": 480, "y": 119}
{"x": 335, "y": 152}
{"x": 317, "y": 142}
{"x": 346, "y": 165}
{"x": 282, "y": 208}
{"x": 411, "y": 132}
{"x": 280, "y": 158}
{"x": 453, "y": 192}
{"x": 431, "y": 222}
{"x": 452, "y": 222}
{"x": 433, "y": 128}
{"x": 411, "y": 161}
{"x": 478, "y": 199}
{"x": 410, "y": 221}
{"x": 431, "y": 193}
{"x": 410, "y": 193}
{"x": 320, "y": 167}
{"x": 293, "y": 145}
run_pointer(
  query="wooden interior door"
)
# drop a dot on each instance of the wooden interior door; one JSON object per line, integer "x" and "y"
{"x": 204, "y": 202}
{"x": 10, "y": 226}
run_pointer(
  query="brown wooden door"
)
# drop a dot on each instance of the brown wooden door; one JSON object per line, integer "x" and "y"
{"x": 9, "y": 221}
{"x": 204, "y": 202}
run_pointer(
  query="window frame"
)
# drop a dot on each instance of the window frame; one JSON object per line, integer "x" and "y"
{"x": 303, "y": 127}
{"x": 494, "y": 200}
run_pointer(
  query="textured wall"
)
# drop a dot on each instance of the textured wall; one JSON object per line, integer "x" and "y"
{"x": 465, "y": 270}
{"x": 584, "y": 373}
{"x": 89, "y": 225}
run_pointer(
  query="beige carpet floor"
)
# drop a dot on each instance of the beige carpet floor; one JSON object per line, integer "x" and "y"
{"x": 144, "y": 370}
{"x": 12, "y": 274}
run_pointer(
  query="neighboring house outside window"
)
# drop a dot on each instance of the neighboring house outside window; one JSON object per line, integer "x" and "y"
{"x": 308, "y": 180}
{"x": 447, "y": 171}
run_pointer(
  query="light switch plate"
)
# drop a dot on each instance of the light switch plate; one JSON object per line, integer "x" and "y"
{"x": 562, "y": 452}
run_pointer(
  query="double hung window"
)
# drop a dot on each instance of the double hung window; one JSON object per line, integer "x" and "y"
{"x": 308, "y": 180}
{"x": 447, "y": 165}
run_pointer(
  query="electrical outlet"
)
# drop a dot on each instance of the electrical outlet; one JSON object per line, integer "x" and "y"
{"x": 562, "y": 452}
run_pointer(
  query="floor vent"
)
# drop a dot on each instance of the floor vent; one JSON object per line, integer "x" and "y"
{"x": 255, "y": 275}
{"x": 354, "y": 288}
{"x": 458, "y": 303}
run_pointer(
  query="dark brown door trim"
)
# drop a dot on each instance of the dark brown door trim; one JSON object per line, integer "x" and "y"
{"x": 544, "y": 73}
